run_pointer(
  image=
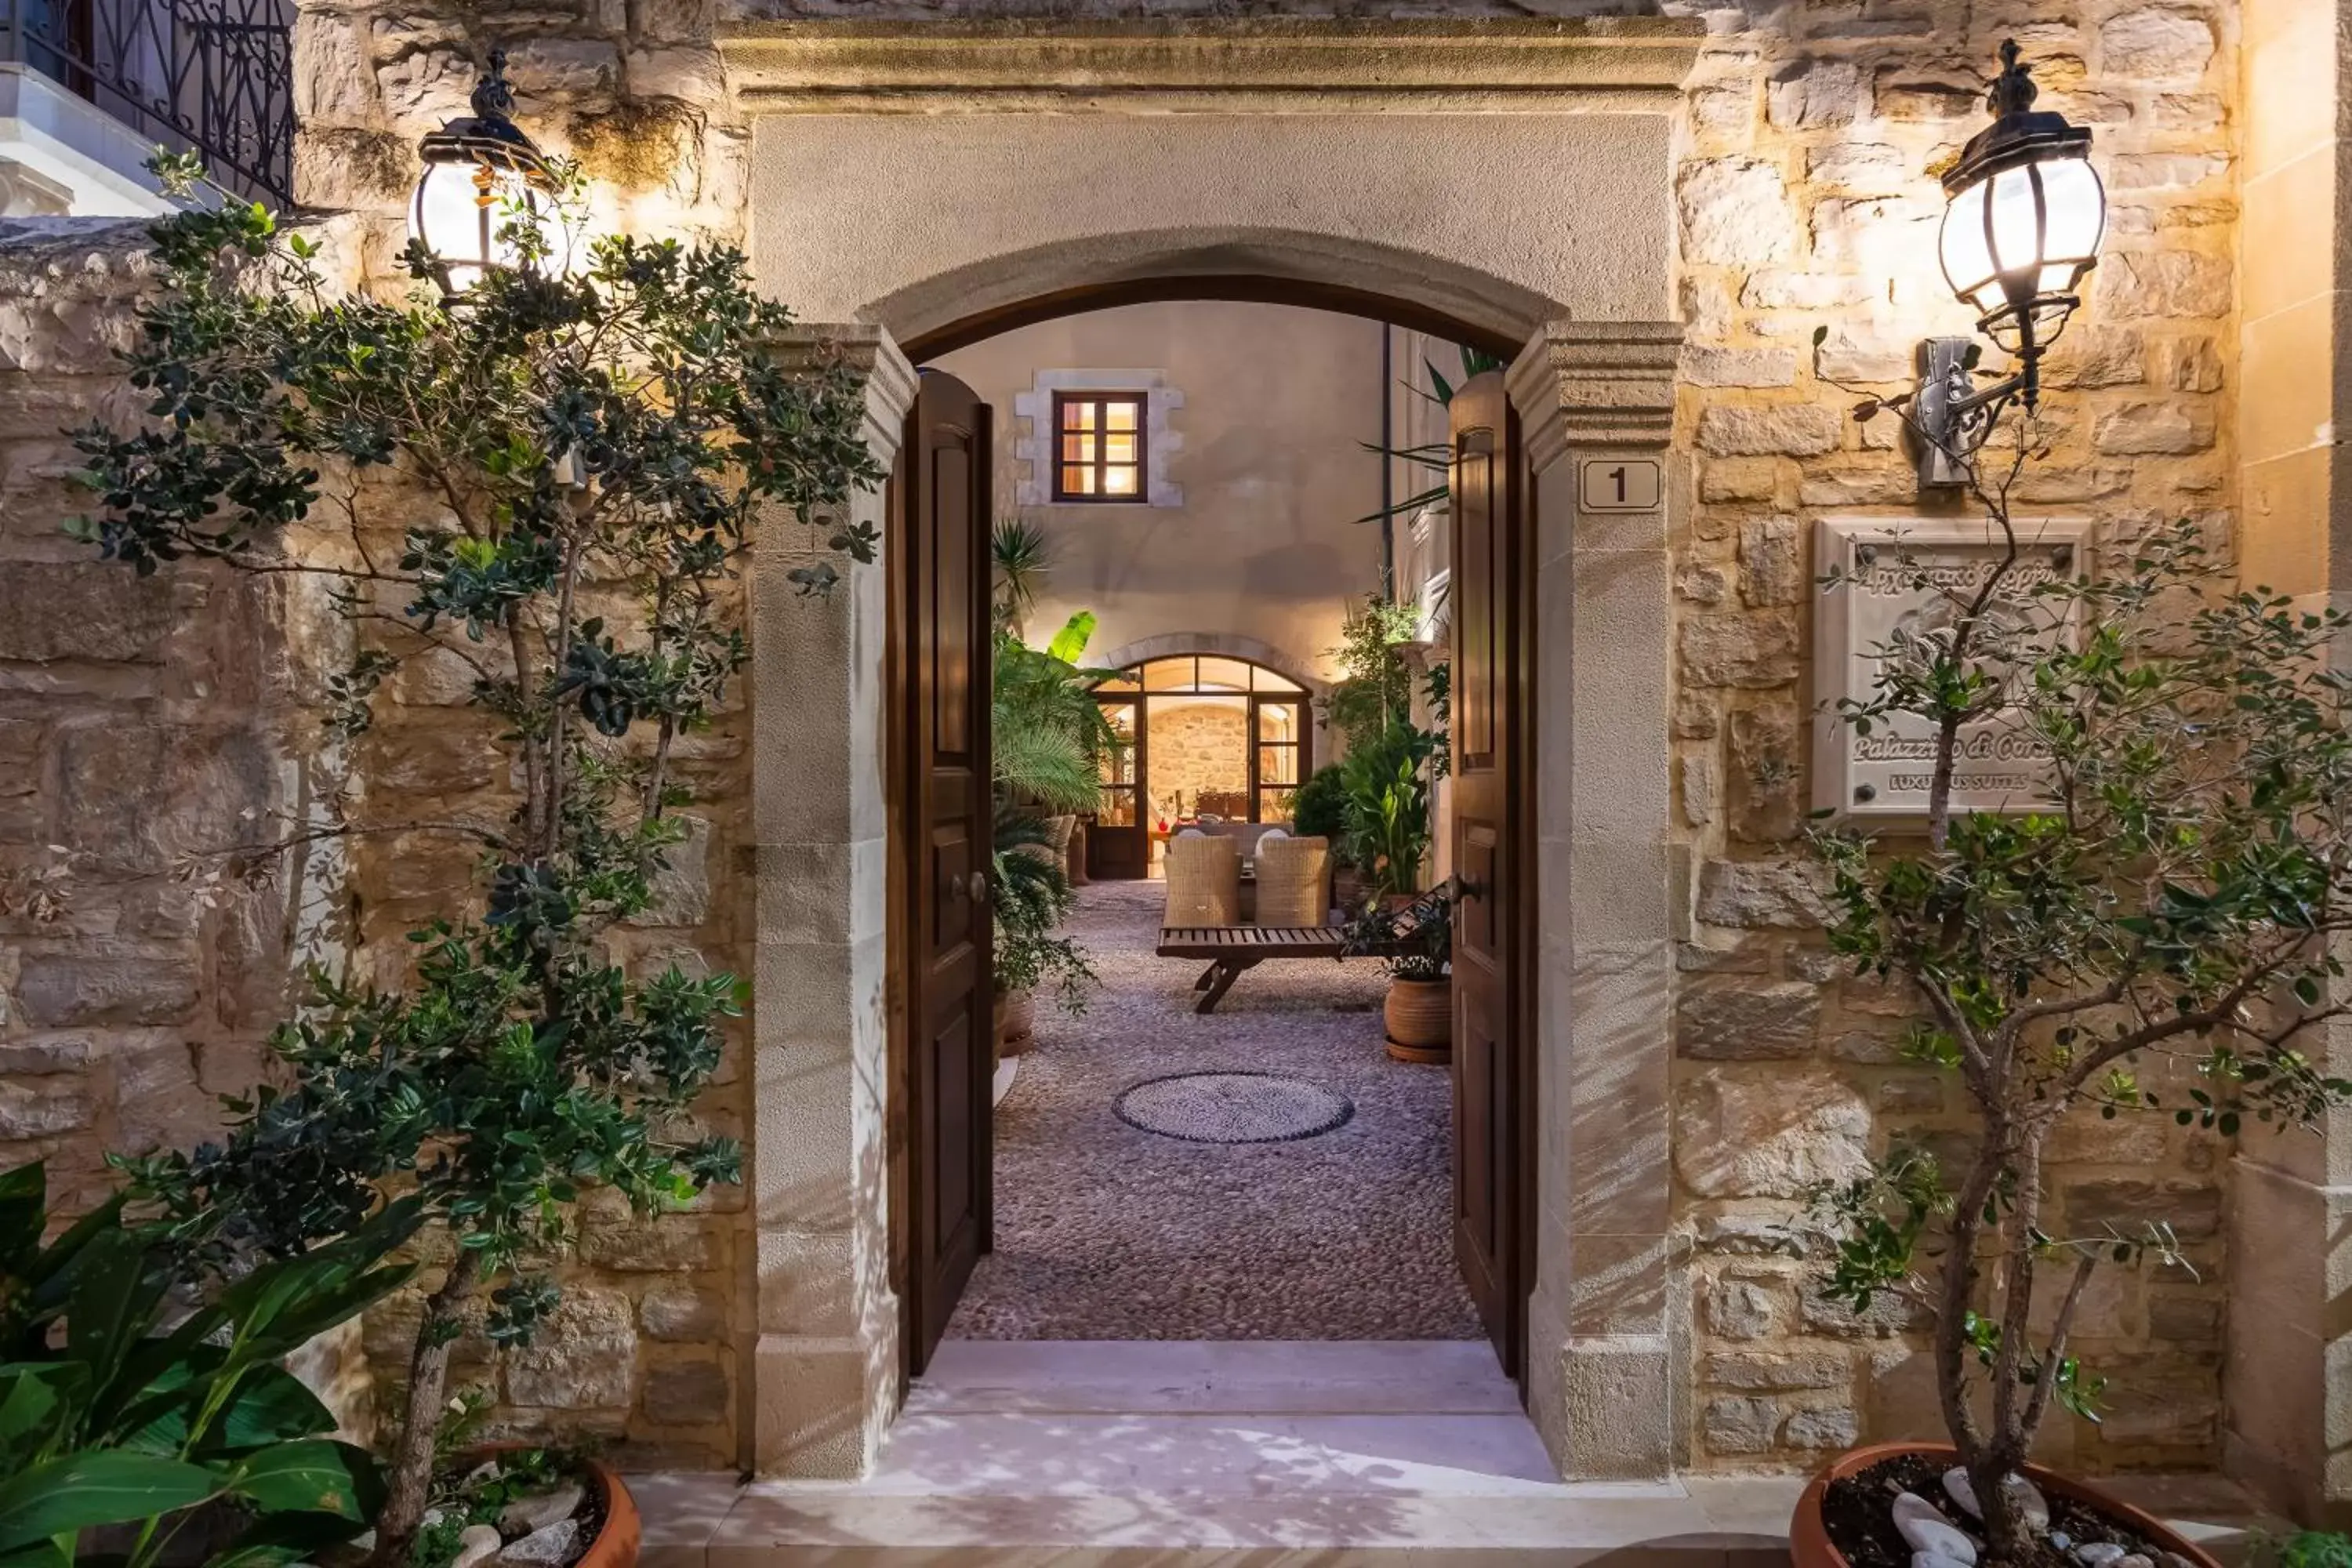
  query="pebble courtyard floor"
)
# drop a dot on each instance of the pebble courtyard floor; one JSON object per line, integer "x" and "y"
{"x": 1105, "y": 1231}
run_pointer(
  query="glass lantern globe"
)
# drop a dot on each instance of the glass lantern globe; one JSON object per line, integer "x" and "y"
{"x": 485, "y": 185}
{"x": 2024, "y": 214}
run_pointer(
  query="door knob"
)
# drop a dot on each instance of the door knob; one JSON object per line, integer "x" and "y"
{"x": 979, "y": 887}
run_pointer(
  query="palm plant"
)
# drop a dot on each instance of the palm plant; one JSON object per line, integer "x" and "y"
{"x": 1051, "y": 739}
{"x": 1021, "y": 555}
{"x": 1437, "y": 456}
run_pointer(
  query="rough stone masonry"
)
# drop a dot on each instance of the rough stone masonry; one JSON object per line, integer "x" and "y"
{"x": 142, "y": 720}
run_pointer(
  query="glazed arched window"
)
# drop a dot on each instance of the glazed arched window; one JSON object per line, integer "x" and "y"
{"x": 1211, "y": 738}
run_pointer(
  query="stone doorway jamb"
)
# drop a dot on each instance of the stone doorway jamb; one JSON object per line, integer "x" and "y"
{"x": 824, "y": 1365}
{"x": 1602, "y": 1342}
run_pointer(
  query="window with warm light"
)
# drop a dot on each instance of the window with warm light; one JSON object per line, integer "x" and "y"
{"x": 1101, "y": 455}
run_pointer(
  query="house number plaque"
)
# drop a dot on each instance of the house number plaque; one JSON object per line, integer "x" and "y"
{"x": 1910, "y": 577}
{"x": 1618, "y": 484}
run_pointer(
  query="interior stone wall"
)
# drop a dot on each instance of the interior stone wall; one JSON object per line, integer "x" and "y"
{"x": 1195, "y": 746}
{"x": 1806, "y": 197}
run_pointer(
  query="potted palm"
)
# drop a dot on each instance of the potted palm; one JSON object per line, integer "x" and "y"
{"x": 1051, "y": 745}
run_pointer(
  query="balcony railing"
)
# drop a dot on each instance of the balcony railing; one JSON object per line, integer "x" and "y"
{"x": 211, "y": 75}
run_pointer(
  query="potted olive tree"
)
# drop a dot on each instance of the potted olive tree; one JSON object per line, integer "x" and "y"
{"x": 2172, "y": 902}
{"x": 577, "y": 463}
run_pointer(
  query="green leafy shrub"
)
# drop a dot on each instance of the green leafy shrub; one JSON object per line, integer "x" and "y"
{"x": 593, "y": 452}
{"x": 121, "y": 1405}
{"x": 1319, "y": 808}
{"x": 1388, "y": 824}
{"x": 1033, "y": 898}
{"x": 1375, "y": 688}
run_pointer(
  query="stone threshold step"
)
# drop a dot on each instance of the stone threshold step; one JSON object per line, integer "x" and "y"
{"x": 1252, "y": 1377}
{"x": 710, "y": 1522}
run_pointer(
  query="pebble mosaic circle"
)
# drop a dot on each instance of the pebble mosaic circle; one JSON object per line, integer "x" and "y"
{"x": 1232, "y": 1107}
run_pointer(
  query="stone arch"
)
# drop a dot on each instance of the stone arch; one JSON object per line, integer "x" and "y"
{"x": 1225, "y": 645}
{"x": 1365, "y": 277}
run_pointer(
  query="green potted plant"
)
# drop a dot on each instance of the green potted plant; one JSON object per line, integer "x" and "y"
{"x": 1318, "y": 809}
{"x": 1387, "y": 832}
{"x": 589, "y": 453}
{"x": 1050, "y": 747}
{"x": 1033, "y": 898}
{"x": 1414, "y": 944}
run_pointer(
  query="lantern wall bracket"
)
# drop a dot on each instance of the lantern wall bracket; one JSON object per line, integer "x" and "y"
{"x": 1954, "y": 416}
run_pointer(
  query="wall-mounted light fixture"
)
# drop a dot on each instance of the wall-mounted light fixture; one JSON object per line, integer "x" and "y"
{"x": 2023, "y": 216}
{"x": 485, "y": 197}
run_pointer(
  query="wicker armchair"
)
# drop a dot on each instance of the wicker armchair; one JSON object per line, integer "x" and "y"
{"x": 1204, "y": 881}
{"x": 1293, "y": 881}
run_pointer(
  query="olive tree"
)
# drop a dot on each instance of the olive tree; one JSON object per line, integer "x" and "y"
{"x": 610, "y": 436}
{"x": 2172, "y": 903}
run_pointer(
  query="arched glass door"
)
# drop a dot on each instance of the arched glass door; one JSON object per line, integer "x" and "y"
{"x": 1213, "y": 739}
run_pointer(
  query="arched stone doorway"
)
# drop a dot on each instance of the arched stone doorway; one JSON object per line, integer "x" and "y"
{"x": 923, "y": 181}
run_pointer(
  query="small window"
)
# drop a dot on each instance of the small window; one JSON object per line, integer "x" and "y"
{"x": 1101, "y": 456}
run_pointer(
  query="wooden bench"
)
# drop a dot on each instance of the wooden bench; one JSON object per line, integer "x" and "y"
{"x": 1231, "y": 948}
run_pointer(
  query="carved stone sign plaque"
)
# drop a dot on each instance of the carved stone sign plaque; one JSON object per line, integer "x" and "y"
{"x": 1913, "y": 577}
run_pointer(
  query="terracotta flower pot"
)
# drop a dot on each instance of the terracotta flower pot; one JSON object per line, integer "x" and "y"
{"x": 1808, "y": 1539}
{"x": 617, "y": 1538}
{"x": 1420, "y": 1018}
{"x": 615, "y": 1545}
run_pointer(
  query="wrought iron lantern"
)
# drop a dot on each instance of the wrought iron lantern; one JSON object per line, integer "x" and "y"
{"x": 2023, "y": 217}
{"x": 485, "y": 197}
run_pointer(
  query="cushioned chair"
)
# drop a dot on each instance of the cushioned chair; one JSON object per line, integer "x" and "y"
{"x": 1293, "y": 881}
{"x": 1204, "y": 881}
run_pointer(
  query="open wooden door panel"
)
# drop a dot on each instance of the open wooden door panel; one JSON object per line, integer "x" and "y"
{"x": 940, "y": 503}
{"x": 1490, "y": 599}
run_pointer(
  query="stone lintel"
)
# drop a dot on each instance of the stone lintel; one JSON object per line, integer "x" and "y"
{"x": 1257, "y": 65}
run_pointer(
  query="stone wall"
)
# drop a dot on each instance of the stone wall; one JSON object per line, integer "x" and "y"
{"x": 1805, "y": 199}
{"x": 1195, "y": 746}
{"x": 142, "y": 721}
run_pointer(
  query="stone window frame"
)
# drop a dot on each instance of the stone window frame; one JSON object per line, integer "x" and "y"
{"x": 1033, "y": 454}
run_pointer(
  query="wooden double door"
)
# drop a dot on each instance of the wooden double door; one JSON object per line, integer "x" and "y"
{"x": 942, "y": 1058}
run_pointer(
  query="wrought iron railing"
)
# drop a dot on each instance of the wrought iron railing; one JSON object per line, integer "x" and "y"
{"x": 211, "y": 75}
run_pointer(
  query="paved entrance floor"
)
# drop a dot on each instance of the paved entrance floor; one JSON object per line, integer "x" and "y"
{"x": 1383, "y": 1454}
{"x": 1107, "y": 1232}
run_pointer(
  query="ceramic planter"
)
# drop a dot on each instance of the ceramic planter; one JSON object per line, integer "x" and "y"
{"x": 619, "y": 1534}
{"x": 1420, "y": 1018}
{"x": 1809, "y": 1540}
{"x": 1016, "y": 1021}
{"x": 615, "y": 1545}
